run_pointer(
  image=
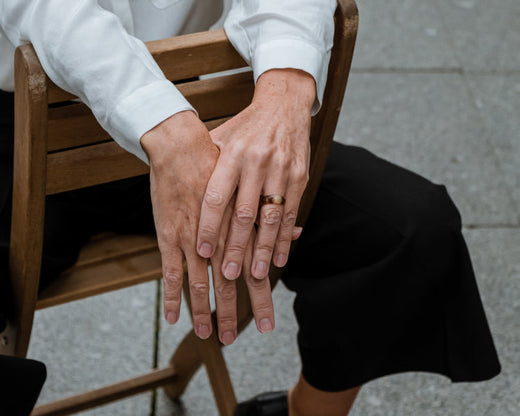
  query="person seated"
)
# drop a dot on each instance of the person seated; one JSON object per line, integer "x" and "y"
{"x": 382, "y": 276}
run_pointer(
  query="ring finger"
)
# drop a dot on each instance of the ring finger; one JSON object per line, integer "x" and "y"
{"x": 270, "y": 217}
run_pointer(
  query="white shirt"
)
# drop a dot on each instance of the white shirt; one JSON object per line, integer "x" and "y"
{"x": 94, "y": 49}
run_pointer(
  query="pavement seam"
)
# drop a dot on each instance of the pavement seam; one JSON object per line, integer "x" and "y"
{"x": 434, "y": 70}
{"x": 156, "y": 335}
{"x": 497, "y": 226}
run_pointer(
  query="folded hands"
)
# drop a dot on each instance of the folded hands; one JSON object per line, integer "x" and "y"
{"x": 206, "y": 188}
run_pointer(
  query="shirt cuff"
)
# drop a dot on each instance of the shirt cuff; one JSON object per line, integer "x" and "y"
{"x": 141, "y": 111}
{"x": 293, "y": 53}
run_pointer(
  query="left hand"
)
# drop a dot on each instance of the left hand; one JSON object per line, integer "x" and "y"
{"x": 264, "y": 150}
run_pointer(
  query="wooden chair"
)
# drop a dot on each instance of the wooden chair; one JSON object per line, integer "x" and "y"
{"x": 61, "y": 148}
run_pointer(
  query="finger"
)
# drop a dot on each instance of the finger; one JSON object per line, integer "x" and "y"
{"x": 270, "y": 217}
{"x": 172, "y": 283}
{"x": 285, "y": 234}
{"x": 246, "y": 208}
{"x": 259, "y": 293}
{"x": 225, "y": 292}
{"x": 220, "y": 188}
{"x": 296, "y": 233}
{"x": 199, "y": 294}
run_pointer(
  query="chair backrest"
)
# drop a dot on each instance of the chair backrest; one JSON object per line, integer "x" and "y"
{"x": 61, "y": 147}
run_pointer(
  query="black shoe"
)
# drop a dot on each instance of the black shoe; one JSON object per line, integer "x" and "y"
{"x": 266, "y": 404}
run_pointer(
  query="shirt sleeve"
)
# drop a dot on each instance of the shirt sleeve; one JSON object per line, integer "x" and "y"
{"x": 284, "y": 34}
{"x": 86, "y": 51}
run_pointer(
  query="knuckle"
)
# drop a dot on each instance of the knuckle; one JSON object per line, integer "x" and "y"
{"x": 257, "y": 284}
{"x": 214, "y": 199}
{"x": 244, "y": 215}
{"x": 167, "y": 233}
{"x": 173, "y": 280}
{"x": 260, "y": 154}
{"x": 265, "y": 248}
{"x": 236, "y": 248}
{"x": 264, "y": 309}
{"x": 226, "y": 322}
{"x": 208, "y": 230}
{"x": 300, "y": 175}
{"x": 282, "y": 163}
{"x": 226, "y": 292}
{"x": 289, "y": 218}
{"x": 271, "y": 215}
{"x": 171, "y": 305}
{"x": 199, "y": 288}
{"x": 202, "y": 317}
{"x": 282, "y": 243}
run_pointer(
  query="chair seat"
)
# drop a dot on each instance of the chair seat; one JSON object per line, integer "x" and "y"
{"x": 127, "y": 259}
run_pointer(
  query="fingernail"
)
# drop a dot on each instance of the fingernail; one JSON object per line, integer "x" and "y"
{"x": 231, "y": 271}
{"x": 171, "y": 317}
{"x": 203, "y": 331}
{"x": 265, "y": 325}
{"x": 280, "y": 260}
{"x": 260, "y": 268}
{"x": 228, "y": 337}
{"x": 205, "y": 250}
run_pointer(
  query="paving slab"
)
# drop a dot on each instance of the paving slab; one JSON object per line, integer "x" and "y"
{"x": 429, "y": 123}
{"x": 484, "y": 34}
{"x": 97, "y": 341}
{"x": 496, "y": 255}
{"x": 498, "y": 99}
{"x": 402, "y": 34}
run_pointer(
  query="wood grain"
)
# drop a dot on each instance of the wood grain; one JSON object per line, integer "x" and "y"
{"x": 74, "y": 125}
{"x": 107, "y": 394}
{"x": 28, "y": 192}
{"x": 123, "y": 269}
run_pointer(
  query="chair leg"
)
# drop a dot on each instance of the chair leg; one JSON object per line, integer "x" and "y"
{"x": 211, "y": 352}
{"x": 186, "y": 360}
{"x": 192, "y": 352}
{"x": 188, "y": 357}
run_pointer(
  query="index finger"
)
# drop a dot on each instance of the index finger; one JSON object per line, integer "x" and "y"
{"x": 220, "y": 188}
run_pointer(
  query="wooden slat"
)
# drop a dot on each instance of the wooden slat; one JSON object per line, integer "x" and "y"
{"x": 107, "y": 394}
{"x": 74, "y": 125}
{"x": 92, "y": 165}
{"x": 114, "y": 245}
{"x": 82, "y": 167}
{"x": 220, "y": 97}
{"x": 100, "y": 277}
{"x": 183, "y": 57}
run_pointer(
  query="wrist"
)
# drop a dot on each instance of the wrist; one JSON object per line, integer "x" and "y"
{"x": 172, "y": 134}
{"x": 286, "y": 85}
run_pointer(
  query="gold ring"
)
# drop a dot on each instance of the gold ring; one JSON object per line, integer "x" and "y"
{"x": 272, "y": 199}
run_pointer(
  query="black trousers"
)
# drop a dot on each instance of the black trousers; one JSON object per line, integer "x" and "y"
{"x": 383, "y": 279}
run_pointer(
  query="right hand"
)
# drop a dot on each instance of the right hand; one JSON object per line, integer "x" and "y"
{"x": 182, "y": 159}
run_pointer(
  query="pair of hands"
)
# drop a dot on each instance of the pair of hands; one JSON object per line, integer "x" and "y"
{"x": 206, "y": 187}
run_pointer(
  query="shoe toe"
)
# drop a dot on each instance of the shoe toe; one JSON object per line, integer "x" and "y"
{"x": 266, "y": 404}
